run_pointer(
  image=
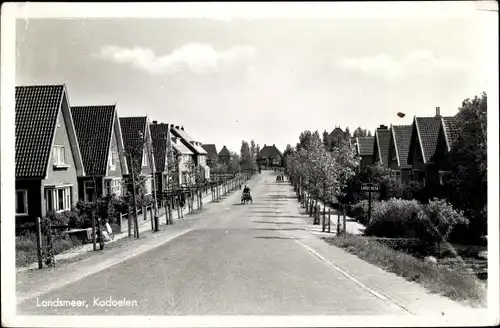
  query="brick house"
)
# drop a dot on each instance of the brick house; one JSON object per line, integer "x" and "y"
{"x": 160, "y": 135}
{"x": 199, "y": 154}
{"x": 212, "y": 157}
{"x": 271, "y": 156}
{"x": 398, "y": 152}
{"x": 101, "y": 143}
{"x": 137, "y": 141}
{"x": 337, "y": 136}
{"x": 183, "y": 155}
{"x": 47, "y": 156}
{"x": 224, "y": 156}
{"x": 364, "y": 149}
{"x": 381, "y": 142}
{"x": 421, "y": 155}
{"x": 449, "y": 132}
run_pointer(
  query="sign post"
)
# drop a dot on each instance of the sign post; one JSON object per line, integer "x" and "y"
{"x": 369, "y": 187}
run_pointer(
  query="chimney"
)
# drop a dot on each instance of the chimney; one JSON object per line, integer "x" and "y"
{"x": 171, "y": 126}
{"x": 177, "y": 127}
{"x": 382, "y": 126}
{"x": 155, "y": 122}
{"x": 182, "y": 128}
{"x": 438, "y": 112}
{"x": 274, "y": 145}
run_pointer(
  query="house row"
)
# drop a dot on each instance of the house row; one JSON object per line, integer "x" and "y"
{"x": 214, "y": 158}
{"x": 66, "y": 153}
{"x": 416, "y": 152}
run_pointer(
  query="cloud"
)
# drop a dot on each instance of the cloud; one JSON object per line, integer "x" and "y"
{"x": 420, "y": 62}
{"x": 195, "y": 57}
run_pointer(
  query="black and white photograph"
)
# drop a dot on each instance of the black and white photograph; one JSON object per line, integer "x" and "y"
{"x": 250, "y": 164}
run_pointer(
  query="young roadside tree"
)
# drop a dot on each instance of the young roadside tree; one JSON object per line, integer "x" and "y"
{"x": 234, "y": 163}
{"x": 438, "y": 218}
{"x": 245, "y": 156}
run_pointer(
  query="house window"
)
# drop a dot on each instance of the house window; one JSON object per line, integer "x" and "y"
{"x": 88, "y": 187}
{"x": 21, "y": 202}
{"x": 144, "y": 158}
{"x": 58, "y": 199}
{"x": 396, "y": 174}
{"x": 419, "y": 176}
{"x": 113, "y": 160}
{"x": 59, "y": 155}
{"x": 113, "y": 187}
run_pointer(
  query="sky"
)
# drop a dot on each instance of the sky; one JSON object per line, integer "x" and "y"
{"x": 228, "y": 80}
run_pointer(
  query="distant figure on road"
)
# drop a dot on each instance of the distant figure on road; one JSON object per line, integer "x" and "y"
{"x": 246, "y": 190}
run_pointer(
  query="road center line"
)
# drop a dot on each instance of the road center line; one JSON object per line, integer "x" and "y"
{"x": 347, "y": 275}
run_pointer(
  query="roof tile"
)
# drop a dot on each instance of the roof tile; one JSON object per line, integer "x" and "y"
{"x": 210, "y": 149}
{"x": 159, "y": 133}
{"x": 383, "y": 138}
{"x": 452, "y": 129}
{"x": 94, "y": 126}
{"x": 402, "y": 138}
{"x": 428, "y": 129}
{"x": 36, "y": 113}
{"x": 365, "y": 145}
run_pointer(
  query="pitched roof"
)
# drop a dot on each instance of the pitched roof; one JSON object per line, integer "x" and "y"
{"x": 451, "y": 129}
{"x": 188, "y": 141}
{"x": 428, "y": 132}
{"x": 382, "y": 139}
{"x": 94, "y": 126}
{"x": 401, "y": 136}
{"x": 210, "y": 149}
{"x": 132, "y": 129}
{"x": 182, "y": 149}
{"x": 268, "y": 151}
{"x": 37, "y": 109}
{"x": 224, "y": 152}
{"x": 365, "y": 145}
{"x": 159, "y": 135}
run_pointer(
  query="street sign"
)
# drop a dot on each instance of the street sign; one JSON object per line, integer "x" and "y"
{"x": 369, "y": 187}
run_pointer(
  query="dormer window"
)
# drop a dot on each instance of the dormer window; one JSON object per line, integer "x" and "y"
{"x": 59, "y": 156}
{"x": 144, "y": 158}
{"x": 113, "y": 160}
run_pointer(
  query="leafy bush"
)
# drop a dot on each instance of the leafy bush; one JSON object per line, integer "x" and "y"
{"x": 395, "y": 218}
{"x": 438, "y": 218}
{"x": 391, "y": 188}
{"x": 411, "y": 190}
{"x": 359, "y": 211}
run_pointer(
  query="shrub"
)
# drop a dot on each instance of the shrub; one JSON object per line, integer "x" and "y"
{"x": 359, "y": 211}
{"x": 391, "y": 188}
{"x": 411, "y": 190}
{"x": 438, "y": 218}
{"x": 395, "y": 218}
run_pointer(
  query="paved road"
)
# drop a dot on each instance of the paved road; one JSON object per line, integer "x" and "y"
{"x": 237, "y": 259}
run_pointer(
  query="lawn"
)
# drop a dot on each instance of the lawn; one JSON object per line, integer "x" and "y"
{"x": 459, "y": 285}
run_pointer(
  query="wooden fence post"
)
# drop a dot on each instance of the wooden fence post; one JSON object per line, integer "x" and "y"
{"x": 39, "y": 242}
{"x": 329, "y": 221}
{"x": 151, "y": 217}
{"x": 129, "y": 222}
{"x": 345, "y": 223}
{"x": 338, "y": 222}
{"x": 51, "y": 245}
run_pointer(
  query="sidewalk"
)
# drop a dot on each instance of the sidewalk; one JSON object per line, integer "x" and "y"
{"x": 143, "y": 227}
{"x": 352, "y": 226}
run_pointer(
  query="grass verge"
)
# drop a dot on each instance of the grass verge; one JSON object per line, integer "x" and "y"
{"x": 459, "y": 286}
{"x": 26, "y": 249}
